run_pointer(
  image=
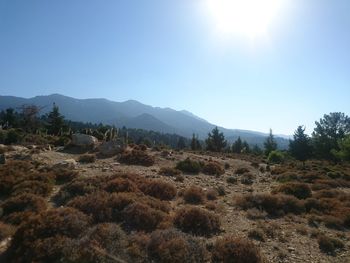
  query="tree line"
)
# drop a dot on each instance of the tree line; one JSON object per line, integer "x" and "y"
{"x": 330, "y": 139}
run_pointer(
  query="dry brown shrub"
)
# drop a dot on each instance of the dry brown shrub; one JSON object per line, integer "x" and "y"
{"x": 197, "y": 221}
{"x": 169, "y": 171}
{"x": 158, "y": 189}
{"x": 194, "y": 195}
{"x": 275, "y": 205}
{"x": 137, "y": 157}
{"x": 299, "y": 190}
{"x": 121, "y": 185}
{"x": 329, "y": 245}
{"x": 16, "y": 209}
{"x": 241, "y": 170}
{"x": 63, "y": 175}
{"x": 174, "y": 246}
{"x": 213, "y": 168}
{"x": 45, "y": 237}
{"x": 241, "y": 250}
{"x": 212, "y": 194}
{"x": 87, "y": 158}
{"x": 32, "y": 187}
{"x": 141, "y": 217}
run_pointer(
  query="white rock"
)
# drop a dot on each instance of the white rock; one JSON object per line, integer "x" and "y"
{"x": 83, "y": 140}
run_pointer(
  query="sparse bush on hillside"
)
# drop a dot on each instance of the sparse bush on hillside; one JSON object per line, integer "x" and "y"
{"x": 158, "y": 189}
{"x": 121, "y": 185}
{"x": 231, "y": 180}
{"x": 299, "y": 190}
{"x": 32, "y": 187}
{"x": 276, "y": 157}
{"x": 18, "y": 208}
{"x": 87, "y": 158}
{"x": 101, "y": 243}
{"x": 168, "y": 171}
{"x": 194, "y": 195}
{"x": 247, "y": 179}
{"x": 141, "y": 217}
{"x": 328, "y": 244}
{"x": 63, "y": 175}
{"x": 238, "y": 250}
{"x": 137, "y": 157}
{"x": 172, "y": 246}
{"x": 189, "y": 166}
{"x": 45, "y": 237}
{"x": 212, "y": 194}
{"x": 197, "y": 221}
{"x": 213, "y": 168}
{"x": 241, "y": 170}
{"x": 275, "y": 205}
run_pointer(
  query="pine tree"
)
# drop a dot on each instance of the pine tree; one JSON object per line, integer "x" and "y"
{"x": 215, "y": 141}
{"x": 55, "y": 121}
{"x": 245, "y": 147}
{"x": 195, "y": 144}
{"x": 181, "y": 144}
{"x": 270, "y": 144}
{"x": 300, "y": 147}
{"x": 237, "y": 146}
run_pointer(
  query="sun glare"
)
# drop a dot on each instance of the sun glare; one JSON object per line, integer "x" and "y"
{"x": 250, "y": 18}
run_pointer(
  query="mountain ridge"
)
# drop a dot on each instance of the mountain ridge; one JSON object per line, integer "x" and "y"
{"x": 134, "y": 114}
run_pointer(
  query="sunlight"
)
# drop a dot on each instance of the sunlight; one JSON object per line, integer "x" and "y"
{"x": 250, "y": 18}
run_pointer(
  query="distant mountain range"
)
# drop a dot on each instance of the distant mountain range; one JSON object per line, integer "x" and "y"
{"x": 133, "y": 114}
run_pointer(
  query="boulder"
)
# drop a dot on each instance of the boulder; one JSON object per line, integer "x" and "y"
{"x": 68, "y": 164}
{"x": 83, "y": 140}
{"x": 111, "y": 148}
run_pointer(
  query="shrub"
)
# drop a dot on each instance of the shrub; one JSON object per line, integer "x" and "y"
{"x": 257, "y": 234}
{"x": 299, "y": 190}
{"x": 13, "y": 137}
{"x": 137, "y": 157}
{"x": 121, "y": 185}
{"x": 212, "y": 194}
{"x": 158, "y": 189}
{"x": 32, "y": 187}
{"x": 276, "y": 157}
{"x": 45, "y": 237}
{"x": 333, "y": 222}
{"x": 16, "y": 209}
{"x": 275, "y": 205}
{"x": 238, "y": 250}
{"x": 197, "y": 221}
{"x": 179, "y": 178}
{"x": 241, "y": 170}
{"x": 231, "y": 180}
{"x": 328, "y": 244}
{"x": 168, "y": 171}
{"x": 87, "y": 158}
{"x": 189, "y": 166}
{"x": 63, "y": 175}
{"x": 174, "y": 246}
{"x": 141, "y": 217}
{"x": 194, "y": 195}
{"x": 6, "y": 231}
{"x": 247, "y": 179}
{"x": 100, "y": 243}
{"x": 213, "y": 168}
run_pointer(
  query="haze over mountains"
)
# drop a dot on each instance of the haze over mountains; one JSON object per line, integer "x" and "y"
{"x": 133, "y": 114}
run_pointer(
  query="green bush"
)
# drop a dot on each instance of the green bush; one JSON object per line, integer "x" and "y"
{"x": 189, "y": 166}
{"x": 276, "y": 157}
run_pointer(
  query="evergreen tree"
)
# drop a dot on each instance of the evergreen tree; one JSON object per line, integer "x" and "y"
{"x": 181, "y": 144}
{"x": 55, "y": 121}
{"x": 331, "y": 129}
{"x": 195, "y": 144}
{"x": 246, "y": 147}
{"x": 237, "y": 146}
{"x": 344, "y": 151}
{"x": 215, "y": 141}
{"x": 257, "y": 150}
{"x": 300, "y": 147}
{"x": 270, "y": 144}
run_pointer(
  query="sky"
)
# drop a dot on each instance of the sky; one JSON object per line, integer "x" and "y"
{"x": 239, "y": 66}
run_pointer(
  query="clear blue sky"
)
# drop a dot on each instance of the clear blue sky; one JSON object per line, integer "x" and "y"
{"x": 170, "y": 54}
